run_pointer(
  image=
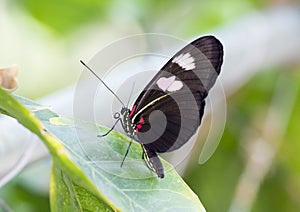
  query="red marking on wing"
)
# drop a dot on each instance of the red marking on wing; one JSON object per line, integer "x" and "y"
{"x": 132, "y": 111}
{"x": 138, "y": 126}
{"x": 142, "y": 120}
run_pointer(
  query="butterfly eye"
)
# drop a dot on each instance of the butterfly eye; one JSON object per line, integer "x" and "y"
{"x": 117, "y": 115}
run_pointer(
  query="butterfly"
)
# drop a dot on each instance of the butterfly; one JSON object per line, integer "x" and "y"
{"x": 168, "y": 112}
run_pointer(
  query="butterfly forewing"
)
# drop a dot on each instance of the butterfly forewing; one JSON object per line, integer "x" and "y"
{"x": 207, "y": 53}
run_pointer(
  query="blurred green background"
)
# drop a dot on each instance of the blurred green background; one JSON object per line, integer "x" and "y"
{"x": 45, "y": 39}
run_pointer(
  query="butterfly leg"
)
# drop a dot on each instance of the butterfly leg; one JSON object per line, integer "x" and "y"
{"x": 105, "y": 134}
{"x": 127, "y": 151}
{"x": 153, "y": 161}
{"x": 143, "y": 155}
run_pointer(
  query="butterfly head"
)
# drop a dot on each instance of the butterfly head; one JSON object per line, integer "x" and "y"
{"x": 125, "y": 111}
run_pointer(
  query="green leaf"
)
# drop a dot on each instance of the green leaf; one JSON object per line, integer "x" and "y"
{"x": 86, "y": 172}
{"x": 68, "y": 196}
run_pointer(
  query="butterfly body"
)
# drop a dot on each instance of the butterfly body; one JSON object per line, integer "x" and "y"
{"x": 127, "y": 124}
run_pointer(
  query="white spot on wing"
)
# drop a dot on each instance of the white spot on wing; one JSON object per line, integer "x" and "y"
{"x": 175, "y": 86}
{"x": 169, "y": 84}
{"x": 185, "y": 61}
{"x": 163, "y": 83}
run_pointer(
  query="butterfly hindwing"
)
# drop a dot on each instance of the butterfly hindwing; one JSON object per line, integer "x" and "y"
{"x": 174, "y": 125}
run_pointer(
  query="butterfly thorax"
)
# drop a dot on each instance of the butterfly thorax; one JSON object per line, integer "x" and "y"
{"x": 128, "y": 126}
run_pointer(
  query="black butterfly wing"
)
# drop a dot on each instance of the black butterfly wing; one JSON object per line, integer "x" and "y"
{"x": 171, "y": 106}
{"x": 208, "y": 54}
{"x": 171, "y": 121}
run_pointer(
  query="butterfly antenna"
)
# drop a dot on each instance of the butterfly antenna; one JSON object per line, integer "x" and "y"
{"x": 102, "y": 82}
{"x": 131, "y": 92}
